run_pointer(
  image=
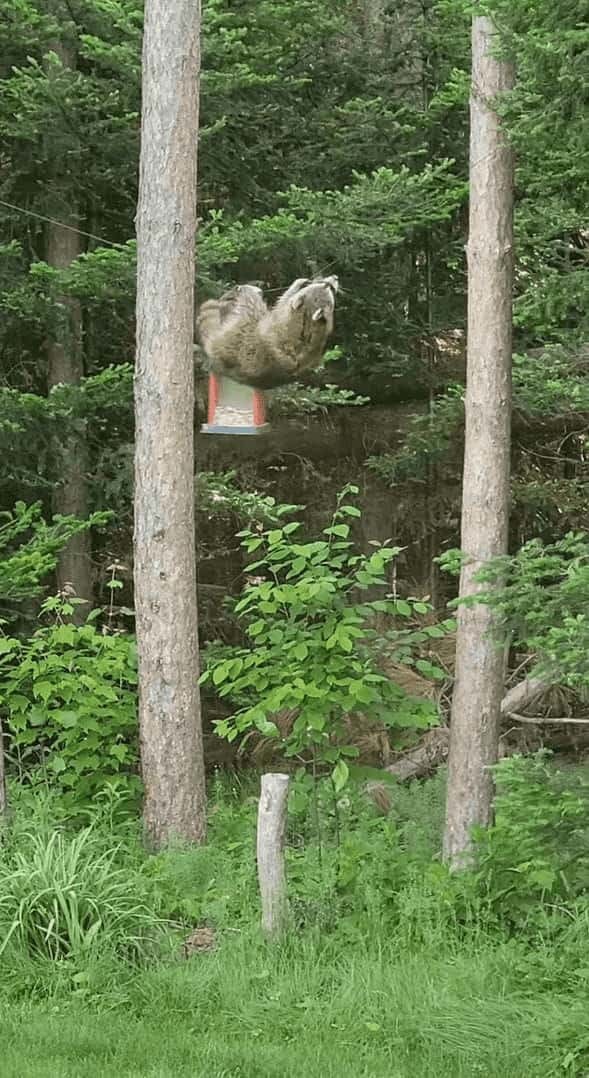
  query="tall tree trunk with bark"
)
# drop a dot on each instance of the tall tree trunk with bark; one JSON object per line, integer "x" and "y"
{"x": 165, "y": 567}
{"x": 65, "y": 365}
{"x": 479, "y": 682}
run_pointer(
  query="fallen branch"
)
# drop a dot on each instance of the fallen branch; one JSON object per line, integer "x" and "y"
{"x": 426, "y": 757}
{"x": 523, "y": 694}
{"x": 432, "y": 750}
{"x": 547, "y": 720}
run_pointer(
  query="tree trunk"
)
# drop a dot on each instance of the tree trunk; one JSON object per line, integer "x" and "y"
{"x": 479, "y": 681}
{"x": 65, "y": 365}
{"x": 165, "y": 572}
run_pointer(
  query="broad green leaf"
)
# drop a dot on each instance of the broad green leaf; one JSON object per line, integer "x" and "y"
{"x": 421, "y": 608}
{"x": 44, "y": 689}
{"x": 120, "y": 752}
{"x": 340, "y": 775}
{"x": 220, "y": 672}
{"x": 67, "y": 719}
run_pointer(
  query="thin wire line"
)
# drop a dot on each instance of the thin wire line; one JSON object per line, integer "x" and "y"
{"x": 53, "y": 221}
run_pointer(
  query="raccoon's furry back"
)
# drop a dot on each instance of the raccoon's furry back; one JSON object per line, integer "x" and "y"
{"x": 265, "y": 348}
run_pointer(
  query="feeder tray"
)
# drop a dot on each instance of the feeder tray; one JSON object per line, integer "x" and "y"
{"x": 234, "y": 408}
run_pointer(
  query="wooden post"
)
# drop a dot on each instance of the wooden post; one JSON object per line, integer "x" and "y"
{"x": 271, "y": 870}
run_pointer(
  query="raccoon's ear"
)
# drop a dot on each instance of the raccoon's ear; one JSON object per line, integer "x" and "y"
{"x": 297, "y": 302}
{"x": 333, "y": 282}
{"x": 318, "y": 315}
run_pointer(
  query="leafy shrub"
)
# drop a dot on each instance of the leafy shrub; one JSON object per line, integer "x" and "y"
{"x": 68, "y": 700}
{"x": 218, "y": 494}
{"x": 296, "y": 399}
{"x": 29, "y": 548}
{"x": 540, "y": 597}
{"x": 537, "y": 852}
{"x": 64, "y": 896}
{"x": 313, "y": 649}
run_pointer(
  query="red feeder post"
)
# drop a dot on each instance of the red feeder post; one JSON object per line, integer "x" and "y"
{"x": 234, "y": 408}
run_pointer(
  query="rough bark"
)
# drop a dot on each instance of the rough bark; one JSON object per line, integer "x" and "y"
{"x": 65, "y": 365}
{"x": 165, "y": 573}
{"x": 270, "y": 852}
{"x": 479, "y": 680}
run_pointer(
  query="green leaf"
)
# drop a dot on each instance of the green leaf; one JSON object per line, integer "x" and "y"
{"x": 37, "y": 717}
{"x": 421, "y": 608}
{"x": 220, "y": 672}
{"x": 350, "y": 751}
{"x": 44, "y": 689}
{"x": 361, "y": 692}
{"x": 430, "y": 670}
{"x": 67, "y": 719}
{"x": 120, "y": 752}
{"x": 340, "y": 775}
{"x": 344, "y": 641}
{"x": 267, "y": 728}
{"x": 543, "y": 877}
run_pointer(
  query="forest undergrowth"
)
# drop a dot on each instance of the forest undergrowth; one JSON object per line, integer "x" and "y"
{"x": 114, "y": 962}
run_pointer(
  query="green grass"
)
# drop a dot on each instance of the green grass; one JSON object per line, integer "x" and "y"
{"x": 246, "y": 1011}
{"x": 395, "y": 969}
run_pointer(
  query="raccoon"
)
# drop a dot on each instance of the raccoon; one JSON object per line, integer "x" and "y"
{"x": 262, "y": 347}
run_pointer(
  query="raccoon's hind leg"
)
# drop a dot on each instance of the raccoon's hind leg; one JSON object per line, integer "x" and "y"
{"x": 239, "y": 307}
{"x": 296, "y": 286}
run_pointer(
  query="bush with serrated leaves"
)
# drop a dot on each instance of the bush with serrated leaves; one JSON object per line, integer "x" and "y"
{"x": 68, "y": 703}
{"x": 312, "y": 646}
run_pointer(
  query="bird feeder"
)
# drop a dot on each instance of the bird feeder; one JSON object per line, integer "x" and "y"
{"x": 234, "y": 408}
